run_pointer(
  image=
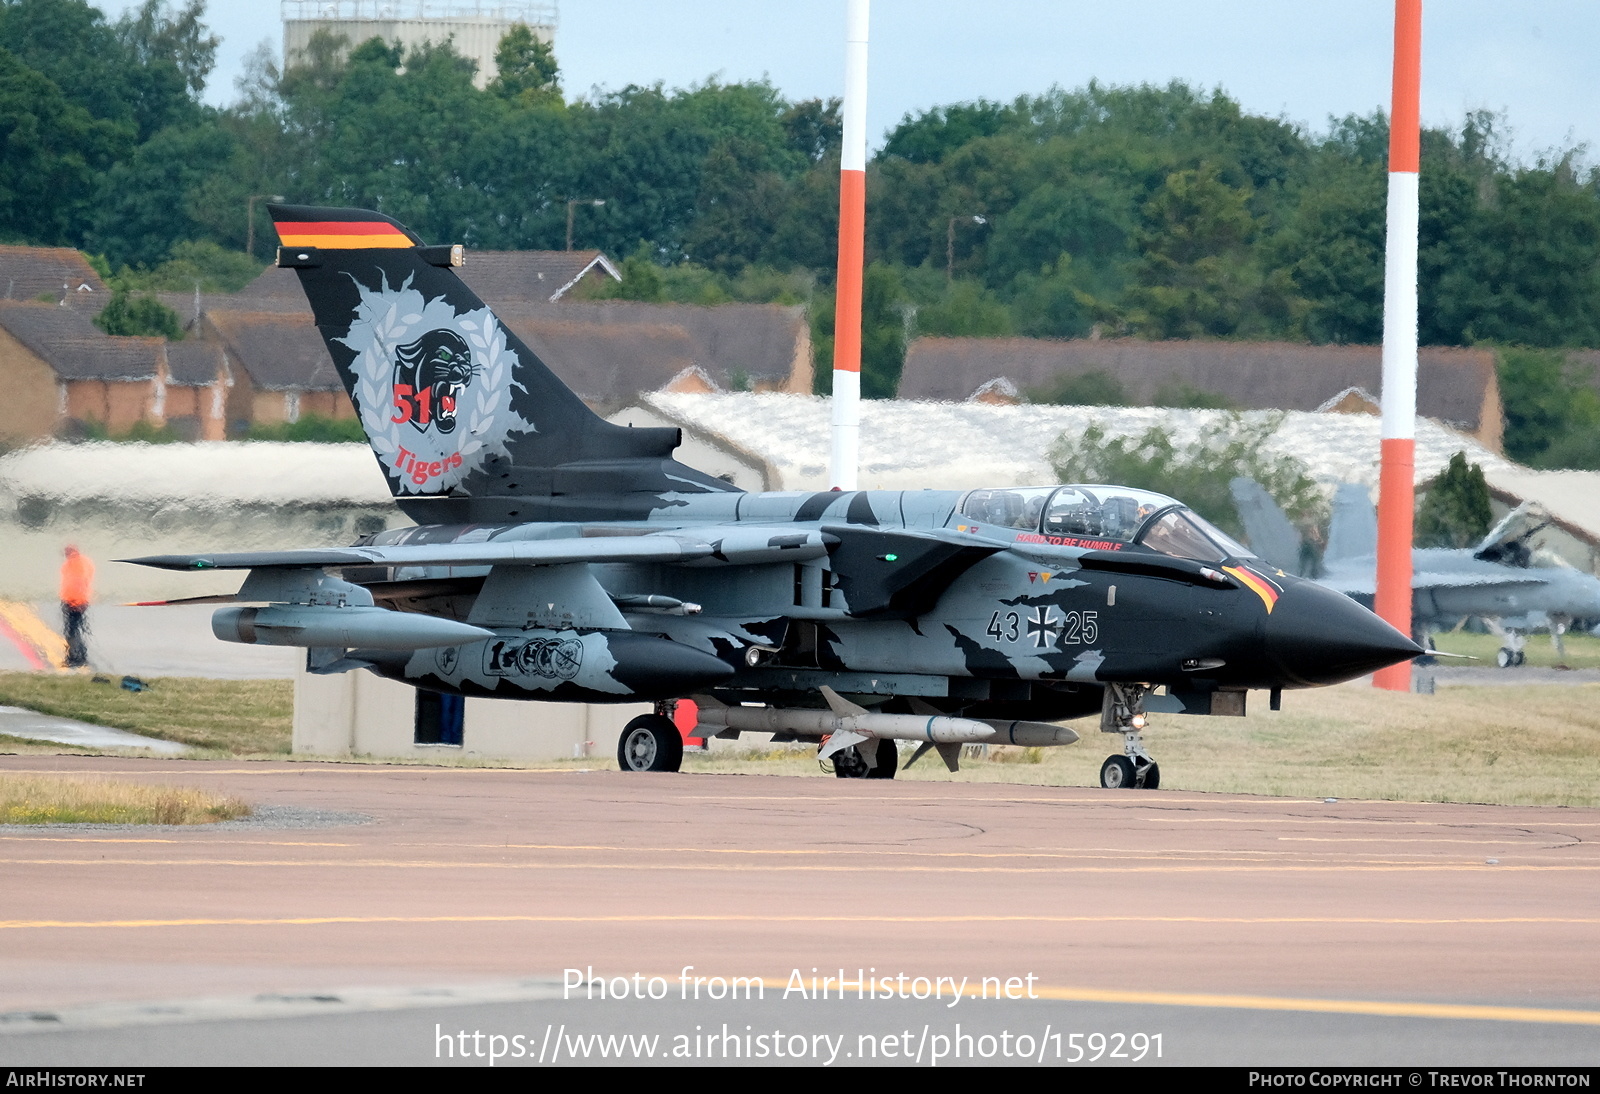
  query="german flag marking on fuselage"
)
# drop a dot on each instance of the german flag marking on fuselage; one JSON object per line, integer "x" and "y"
{"x": 1256, "y": 584}
{"x": 347, "y": 235}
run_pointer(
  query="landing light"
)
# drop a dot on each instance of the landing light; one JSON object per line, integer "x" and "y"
{"x": 1138, "y": 721}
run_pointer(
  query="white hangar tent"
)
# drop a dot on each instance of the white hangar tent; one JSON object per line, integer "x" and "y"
{"x": 781, "y": 441}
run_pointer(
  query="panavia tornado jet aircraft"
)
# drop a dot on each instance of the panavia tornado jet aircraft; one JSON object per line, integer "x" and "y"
{"x": 560, "y": 557}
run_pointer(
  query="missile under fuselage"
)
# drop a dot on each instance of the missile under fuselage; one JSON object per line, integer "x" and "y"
{"x": 941, "y": 729}
{"x": 369, "y": 628}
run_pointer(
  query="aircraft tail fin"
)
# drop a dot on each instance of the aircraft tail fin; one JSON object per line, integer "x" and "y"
{"x": 1266, "y": 526}
{"x": 1353, "y": 531}
{"x": 461, "y": 414}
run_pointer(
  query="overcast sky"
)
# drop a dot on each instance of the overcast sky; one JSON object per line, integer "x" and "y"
{"x": 1538, "y": 61}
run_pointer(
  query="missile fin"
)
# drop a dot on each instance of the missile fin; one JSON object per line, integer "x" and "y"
{"x": 840, "y": 741}
{"x": 922, "y": 750}
{"x": 951, "y": 755}
{"x": 841, "y": 706}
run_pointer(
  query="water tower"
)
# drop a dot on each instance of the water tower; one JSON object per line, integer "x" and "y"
{"x": 475, "y": 27}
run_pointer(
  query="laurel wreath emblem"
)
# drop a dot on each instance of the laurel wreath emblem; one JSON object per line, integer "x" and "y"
{"x": 388, "y": 319}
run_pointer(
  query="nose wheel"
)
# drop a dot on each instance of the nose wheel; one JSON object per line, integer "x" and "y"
{"x": 1123, "y": 712}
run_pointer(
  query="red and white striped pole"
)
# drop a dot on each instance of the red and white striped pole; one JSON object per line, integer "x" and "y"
{"x": 846, "y": 445}
{"x": 1397, "y": 473}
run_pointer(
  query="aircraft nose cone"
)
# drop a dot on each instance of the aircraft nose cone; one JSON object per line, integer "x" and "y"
{"x": 1317, "y": 636}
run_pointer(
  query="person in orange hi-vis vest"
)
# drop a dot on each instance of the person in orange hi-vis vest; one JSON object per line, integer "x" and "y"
{"x": 77, "y": 575}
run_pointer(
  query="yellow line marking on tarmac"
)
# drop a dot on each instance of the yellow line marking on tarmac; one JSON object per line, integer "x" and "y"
{"x": 332, "y": 920}
{"x": 1372, "y": 1007}
{"x": 1475, "y": 1012}
{"x": 1375, "y": 866}
{"x": 33, "y": 630}
{"x": 1378, "y": 1008}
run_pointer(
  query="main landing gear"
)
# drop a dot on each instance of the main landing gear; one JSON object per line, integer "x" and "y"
{"x": 651, "y": 742}
{"x": 849, "y": 763}
{"x": 1513, "y": 652}
{"x": 1123, "y": 712}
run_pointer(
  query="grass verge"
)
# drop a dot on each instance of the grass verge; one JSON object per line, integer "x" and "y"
{"x": 1583, "y": 650}
{"x": 1509, "y": 745}
{"x": 42, "y": 799}
{"x": 232, "y": 716}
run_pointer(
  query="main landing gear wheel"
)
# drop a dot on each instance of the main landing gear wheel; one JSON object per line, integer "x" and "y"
{"x": 1122, "y": 773}
{"x": 1117, "y": 773}
{"x": 650, "y": 743}
{"x": 1507, "y": 659}
{"x": 848, "y": 764}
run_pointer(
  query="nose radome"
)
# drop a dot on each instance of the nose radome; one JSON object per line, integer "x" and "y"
{"x": 1317, "y": 636}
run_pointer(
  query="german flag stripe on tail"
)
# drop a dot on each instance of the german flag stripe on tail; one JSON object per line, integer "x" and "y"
{"x": 1256, "y": 584}
{"x": 308, "y": 226}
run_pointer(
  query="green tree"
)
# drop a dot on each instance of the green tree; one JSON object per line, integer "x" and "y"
{"x": 641, "y": 279}
{"x": 1193, "y": 280}
{"x": 1197, "y": 473}
{"x": 1552, "y": 413}
{"x": 195, "y": 263}
{"x": 146, "y": 203}
{"x": 526, "y": 67}
{"x": 1455, "y": 510}
{"x": 1333, "y": 248}
{"x": 143, "y": 315}
{"x": 965, "y": 309}
{"x": 54, "y": 152}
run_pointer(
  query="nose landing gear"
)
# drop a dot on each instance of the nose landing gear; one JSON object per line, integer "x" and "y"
{"x": 1123, "y": 712}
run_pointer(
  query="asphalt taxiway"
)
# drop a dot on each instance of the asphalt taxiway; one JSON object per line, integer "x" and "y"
{"x": 1226, "y": 914}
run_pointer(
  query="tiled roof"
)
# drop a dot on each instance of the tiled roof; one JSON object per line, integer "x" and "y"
{"x": 606, "y": 365}
{"x": 193, "y": 363}
{"x": 1452, "y": 383}
{"x": 530, "y": 275}
{"x": 755, "y": 343}
{"x": 280, "y": 350}
{"x": 29, "y": 272}
{"x": 606, "y": 352}
{"x": 908, "y": 445}
{"x": 66, "y": 340}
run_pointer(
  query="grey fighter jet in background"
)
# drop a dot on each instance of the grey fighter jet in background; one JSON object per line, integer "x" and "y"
{"x": 560, "y": 557}
{"x": 1506, "y": 580}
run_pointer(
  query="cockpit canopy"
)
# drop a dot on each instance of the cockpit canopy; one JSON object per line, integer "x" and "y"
{"x": 1104, "y": 517}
